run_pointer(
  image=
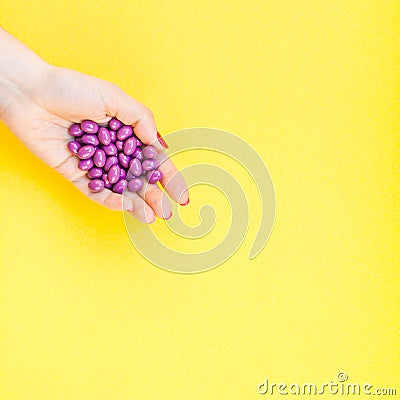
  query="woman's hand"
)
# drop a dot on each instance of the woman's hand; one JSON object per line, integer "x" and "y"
{"x": 40, "y": 106}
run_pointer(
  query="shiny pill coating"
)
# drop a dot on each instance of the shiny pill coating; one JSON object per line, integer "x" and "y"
{"x": 124, "y": 132}
{"x": 129, "y": 146}
{"x": 150, "y": 164}
{"x": 75, "y": 130}
{"x": 135, "y": 167}
{"x": 119, "y": 144}
{"x": 104, "y": 136}
{"x": 74, "y": 146}
{"x": 154, "y": 176}
{"x": 90, "y": 139}
{"x": 107, "y": 184}
{"x": 115, "y": 124}
{"x": 138, "y": 154}
{"x": 124, "y": 160}
{"x": 85, "y": 165}
{"x": 113, "y": 135}
{"x": 86, "y": 152}
{"x": 89, "y": 126}
{"x": 135, "y": 184}
{"x": 113, "y": 174}
{"x": 149, "y": 151}
{"x": 112, "y": 155}
{"x": 96, "y": 185}
{"x": 110, "y": 150}
{"x": 94, "y": 173}
{"x": 112, "y": 160}
{"x": 120, "y": 186}
{"x": 130, "y": 176}
{"x": 99, "y": 158}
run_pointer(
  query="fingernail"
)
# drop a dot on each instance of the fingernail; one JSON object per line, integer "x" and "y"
{"x": 162, "y": 141}
{"x": 185, "y": 204}
{"x": 170, "y": 216}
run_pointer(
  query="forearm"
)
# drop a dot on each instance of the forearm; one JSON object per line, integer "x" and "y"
{"x": 20, "y": 70}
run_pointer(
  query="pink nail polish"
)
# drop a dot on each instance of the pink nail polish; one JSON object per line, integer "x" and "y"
{"x": 169, "y": 217}
{"x": 162, "y": 141}
{"x": 185, "y": 204}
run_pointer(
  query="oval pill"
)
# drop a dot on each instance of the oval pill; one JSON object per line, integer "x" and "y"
{"x": 85, "y": 165}
{"x": 114, "y": 174}
{"x": 104, "y": 136}
{"x": 75, "y": 130}
{"x": 150, "y": 164}
{"x": 99, "y": 158}
{"x": 124, "y": 132}
{"x": 86, "y": 152}
{"x": 96, "y": 185}
{"x": 135, "y": 184}
{"x": 74, "y": 146}
{"x": 149, "y": 151}
{"x": 89, "y": 126}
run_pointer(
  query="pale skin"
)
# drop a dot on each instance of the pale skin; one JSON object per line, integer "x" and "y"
{"x": 38, "y": 102}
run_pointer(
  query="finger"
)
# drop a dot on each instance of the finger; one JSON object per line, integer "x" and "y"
{"x": 141, "y": 210}
{"x": 132, "y": 112}
{"x": 156, "y": 199}
{"x": 106, "y": 197}
{"x": 172, "y": 180}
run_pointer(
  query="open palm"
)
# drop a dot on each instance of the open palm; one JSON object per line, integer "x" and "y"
{"x": 41, "y": 117}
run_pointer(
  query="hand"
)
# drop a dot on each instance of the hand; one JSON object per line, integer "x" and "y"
{"x": 41, "y": 114}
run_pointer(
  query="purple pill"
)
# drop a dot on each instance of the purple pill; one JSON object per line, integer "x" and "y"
{"x": 99, "y": 158}
{"x": 114, "y": 173}
{"x": 107, "y": 184}
{"x": 113, "y": 135}
{"x": 130, "y": 176}
{"x": 120, "y": 186}
{"x": 96, "y": 185}
{"x": 110, "y": 150}
{"x": 86, "y": 152}
{"x": 89, "y": 126}
{"x": 85, "y": 165}
{"x": 149, "y": 151}
{"x": 138, "y": 154}
{"x": 94, "y": 173}
{"x": 90, "y": 139}
{"x": 75, "y": 130}
{"x": 150, "y": 164}
{"x": 115, "y": 124}
{"x": 122, "y": 175}
{"x": 154, "y": 176}
{"x": 124, "y": 132}
{"x": 74, "y": 146}
{"x": 110, "y": 162}
{"x": 104, "y": 136}
{"x": 135, "y": 167}
{"x": 129, "y": 146}
{"x": 119, "y": 144}
{"x": 135, "y": 184}
{"x": 124, "y": 160}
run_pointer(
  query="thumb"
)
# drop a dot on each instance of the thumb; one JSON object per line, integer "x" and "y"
{"x": 132, "y": 112}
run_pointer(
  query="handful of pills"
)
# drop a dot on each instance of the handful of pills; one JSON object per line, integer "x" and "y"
{"x": 113, "y": 156}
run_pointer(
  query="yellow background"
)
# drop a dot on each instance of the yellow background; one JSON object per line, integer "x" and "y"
{"x": 313, "y": 86}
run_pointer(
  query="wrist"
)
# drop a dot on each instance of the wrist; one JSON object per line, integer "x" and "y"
{"x": 21, "y": 72}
